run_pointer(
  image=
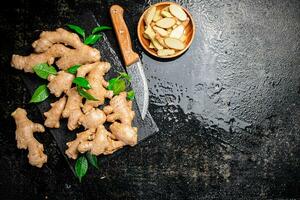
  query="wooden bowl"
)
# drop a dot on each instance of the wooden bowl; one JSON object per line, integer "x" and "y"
{"x": 190, "y": 31}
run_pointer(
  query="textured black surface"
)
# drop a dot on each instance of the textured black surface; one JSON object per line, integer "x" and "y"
{"x": 228, "y": 109}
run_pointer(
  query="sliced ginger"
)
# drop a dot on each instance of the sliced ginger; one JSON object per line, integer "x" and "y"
{"x": 48, "y": 48}
{"x": 95, "y": 73}
{"x": 54, "y": 114}
{"x": 26, "y": 140}
{"x": 72, "y": 109}
{"x": 60, "y": 83}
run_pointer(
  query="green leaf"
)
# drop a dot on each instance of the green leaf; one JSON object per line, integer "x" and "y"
{"x": 82, "y": 82}
{"x": 43, "y": 70}
{"x": 111, "y": 82}
{"x": 130, "y": 95}
{"x": 73, "y": 69}
{"x": 101, "y": 28}
{"x": 77, "y": 30}
{"x": 86, "y": 95}
{"x": 92, "y": 159}
{"x": 81, "y": 167}
{"x": 119, "y": 86}
{"x": 40, "y": 94}
{"x": 92, "y": 39}
{"x": 125, "y": 76}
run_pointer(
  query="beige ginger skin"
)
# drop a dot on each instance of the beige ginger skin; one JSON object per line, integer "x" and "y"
{"x": 54, "y": 114}
{"x": 26, "y": 140}
{"x": 51, "y": 46}
{"x": 95, "y": 75}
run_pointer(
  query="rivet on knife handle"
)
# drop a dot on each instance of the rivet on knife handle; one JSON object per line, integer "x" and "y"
{"x": 123, "y": 36}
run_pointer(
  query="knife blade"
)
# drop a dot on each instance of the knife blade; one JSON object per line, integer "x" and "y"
{"x": 131, "y": 59}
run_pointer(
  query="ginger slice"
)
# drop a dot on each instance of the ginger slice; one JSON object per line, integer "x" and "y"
{"x": 48, "y": 50}
{"x": 60, "y": 83}
{"x": 72, "y": 109}
{"x": 95, "y": 73}
{"x": 54, "y": 114}
{"x": 120, "y": 109}
{"x": 60, "y": 35}
{"x": 92, "y": 119}
{"x": 103, "y": 143}
{"x": 72, "y": 151}
{"x": 124, "y": 133}
{"x": 26, "y": 140}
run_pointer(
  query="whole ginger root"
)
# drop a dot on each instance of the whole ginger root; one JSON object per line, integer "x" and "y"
{"x": 95, "y": 73}
{"x": 60, "y": 83}
{"x": 92, "y": 119}
{"x": 51, "y": 45}
{"x": 121, "y": 110}
{"x": 72, "y": 151}
{"x": 54, "y": 114}
{"x": 26, "y": 140}
{"x": 72, "y": 109}
{"x": 60, "y": 35}
{"x": 101, "y": 142}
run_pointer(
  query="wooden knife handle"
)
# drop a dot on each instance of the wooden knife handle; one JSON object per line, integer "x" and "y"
{"x": 123, "y": 36}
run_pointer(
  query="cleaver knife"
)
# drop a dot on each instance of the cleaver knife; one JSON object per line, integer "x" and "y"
{"x": 131, "y": 59}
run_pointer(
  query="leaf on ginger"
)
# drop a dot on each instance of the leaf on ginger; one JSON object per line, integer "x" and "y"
{"x": 116, "y": 85}
{"x": 73, "y": 69}
{"x": 101, "y": 28}
{"x": 130, "y": 95}
{"x": 82, "y": 82}
{"x": 92, "y": 39}
{"x": 81, "y": 167}
{"x": 77, "y": 30}
{"x": 40, "y": 94}
{"x": 43, "y": 70}
{"x": 85, "y": 94}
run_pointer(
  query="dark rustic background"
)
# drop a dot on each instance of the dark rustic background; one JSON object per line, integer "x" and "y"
{"x": 228, "y": 109}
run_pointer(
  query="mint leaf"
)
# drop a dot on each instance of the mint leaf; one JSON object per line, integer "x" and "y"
{"x": 81, "y": 167}
{"x": 77, "y": 30}
{"x": 125, "y": 76}
{"x": 117, "y": 85}
{"x": 73, "y": 69}
{"x": 101, "y": 28}
{"x": 82, "y": 82}
{"x": 92, "y": 159}
{"x": 40, "y": 94}
{"x": 43, "y": 70}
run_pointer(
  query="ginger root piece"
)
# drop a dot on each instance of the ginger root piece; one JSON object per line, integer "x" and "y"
{"x": 54, "y": 114}
{"x": 26, "y": 63}
{"x": 60, "y": 83}
{"x": 120, "y": 109}
{"x": 124, "y": 133}
{"x": 92, "y": 119}
{"x": 95, "y": 73}
{"x": 48, "y": 49}
{"x": 26, "y": 140}
{"x": 60, "y": 35}
{"x": 72, "y": 109}
{"x": 72, "y": 151}
{"x": 103, "y": 143}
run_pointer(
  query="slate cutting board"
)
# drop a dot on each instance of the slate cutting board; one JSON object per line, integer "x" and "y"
{"x": 62, "y": 135}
